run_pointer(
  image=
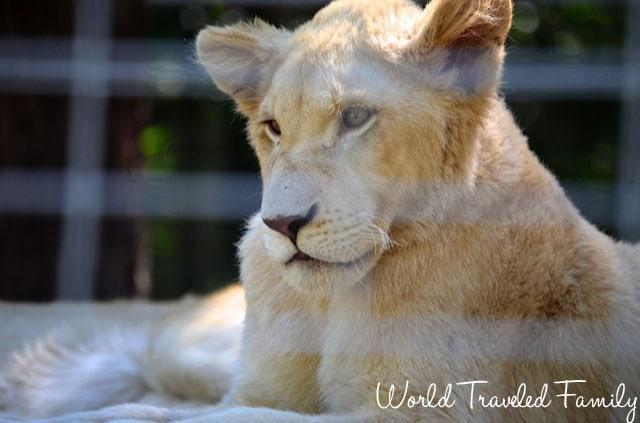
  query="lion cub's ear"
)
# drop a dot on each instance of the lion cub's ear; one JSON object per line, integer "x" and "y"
{"x": 472, "y": 33}
{"x": 241, "y": 58}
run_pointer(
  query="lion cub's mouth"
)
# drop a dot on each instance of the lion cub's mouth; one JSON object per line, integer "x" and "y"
{"x": 307, "y": 259}
{"x": 302, "y": 257}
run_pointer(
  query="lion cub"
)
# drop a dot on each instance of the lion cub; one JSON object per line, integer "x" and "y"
{"x": 409, "y": 243}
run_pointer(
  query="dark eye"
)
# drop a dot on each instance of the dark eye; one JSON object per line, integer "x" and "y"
{"x": 274, "y": 127}
{"x": 355, "y": 117}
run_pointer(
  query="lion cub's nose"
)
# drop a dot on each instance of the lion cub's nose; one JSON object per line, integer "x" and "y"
{"x": 289, "y": 226}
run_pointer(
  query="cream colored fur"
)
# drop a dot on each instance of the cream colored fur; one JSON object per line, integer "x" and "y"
{"x": 68, "y": 357}
{"x": 444, "y": 251}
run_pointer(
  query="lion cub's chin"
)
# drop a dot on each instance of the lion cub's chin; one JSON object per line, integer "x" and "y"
{"x": 325, "y": 278}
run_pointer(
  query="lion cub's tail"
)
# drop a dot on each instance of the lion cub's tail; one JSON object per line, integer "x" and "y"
{"x": 94, "y": 356}
{"x": 58, "y": 374}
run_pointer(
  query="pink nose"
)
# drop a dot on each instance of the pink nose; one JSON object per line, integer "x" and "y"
{"x": 289, "y": 226}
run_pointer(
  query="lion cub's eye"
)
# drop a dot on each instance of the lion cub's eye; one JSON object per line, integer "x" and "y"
{"x": 273, "y": 127}
{"x": 356, "y": 116}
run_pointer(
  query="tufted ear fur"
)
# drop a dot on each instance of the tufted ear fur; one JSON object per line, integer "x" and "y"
{"x": 466, "y": 23}
{"x": 471, "y": 33}
{"x": 241, "y": 58}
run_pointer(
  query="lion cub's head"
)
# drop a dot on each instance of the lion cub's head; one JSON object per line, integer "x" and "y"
{"x": 357, "y": 117}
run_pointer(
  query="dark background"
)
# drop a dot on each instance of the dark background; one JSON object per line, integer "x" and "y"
{"x": 124, "y": 173}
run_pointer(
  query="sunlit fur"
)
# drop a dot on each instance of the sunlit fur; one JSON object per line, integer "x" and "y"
{"x": 445, "y": 251}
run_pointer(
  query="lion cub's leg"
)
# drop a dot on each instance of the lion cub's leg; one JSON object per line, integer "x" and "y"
{"x": 280, "y": 356}
{"x": 281, "y": 340}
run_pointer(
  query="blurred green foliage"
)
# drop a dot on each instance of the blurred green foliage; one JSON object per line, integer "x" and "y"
{"x": 155, "y": 144}
{"x": 577, "y": 146}
{"x": 192, "y": 256}
{"x": 568, "y": 27}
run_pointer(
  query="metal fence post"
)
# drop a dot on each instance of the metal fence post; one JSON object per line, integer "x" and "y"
{"x": 628, "y": 204}
{"x": 83, "y": 196}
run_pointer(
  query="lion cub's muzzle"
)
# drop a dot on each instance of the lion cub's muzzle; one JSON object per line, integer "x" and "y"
{"x": 289, "y": 226}
{"x": 307, "y": 217}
